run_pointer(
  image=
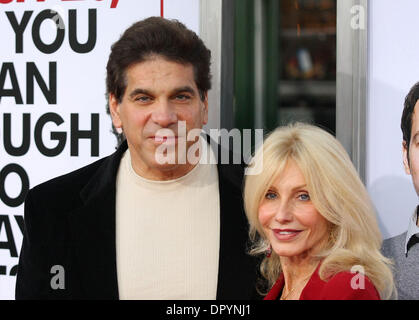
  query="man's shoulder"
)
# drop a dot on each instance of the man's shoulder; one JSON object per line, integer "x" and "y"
{"x": 48, "y": 204}
{"x": 394, "y": 247}
{"x": 73, "y": 180}
{"x": 63, "y": 192}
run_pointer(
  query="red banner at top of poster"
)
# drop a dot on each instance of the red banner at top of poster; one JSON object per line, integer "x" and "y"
{"x": 114, "y": 3}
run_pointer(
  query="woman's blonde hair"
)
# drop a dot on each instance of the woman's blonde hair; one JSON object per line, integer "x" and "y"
{"x": 336, "y": 192}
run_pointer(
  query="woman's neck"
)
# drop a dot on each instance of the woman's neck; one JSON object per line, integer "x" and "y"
{"x": 297, "y": 272}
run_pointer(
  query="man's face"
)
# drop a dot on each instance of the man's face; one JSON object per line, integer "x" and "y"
{"x": 412, "y": 167}
{"x": 159, "y": 94}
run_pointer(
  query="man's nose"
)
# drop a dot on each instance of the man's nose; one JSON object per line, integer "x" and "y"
{"x": 284, "y": 212}
{"x": 164, "y": 114}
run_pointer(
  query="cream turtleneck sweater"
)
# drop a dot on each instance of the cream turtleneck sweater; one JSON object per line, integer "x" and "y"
{"x": 167, "y": 234}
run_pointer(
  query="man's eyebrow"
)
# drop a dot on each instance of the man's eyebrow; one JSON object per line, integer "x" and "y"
{"x": 138, "y": 91}
{"x": 184, "y": 89}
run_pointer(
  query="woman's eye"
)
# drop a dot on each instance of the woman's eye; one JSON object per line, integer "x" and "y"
{"x": 304, "y": 197}
{"x": 270, "y": 195}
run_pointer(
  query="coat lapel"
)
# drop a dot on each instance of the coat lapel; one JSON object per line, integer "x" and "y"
{"x": 237, "y": 270}
{"x": 93, "y": 233}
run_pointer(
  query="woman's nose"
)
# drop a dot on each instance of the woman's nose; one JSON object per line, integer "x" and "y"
{"x": 283, "y": 212}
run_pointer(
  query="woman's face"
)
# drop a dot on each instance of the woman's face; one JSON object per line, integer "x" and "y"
{"x": 289, "y": 219}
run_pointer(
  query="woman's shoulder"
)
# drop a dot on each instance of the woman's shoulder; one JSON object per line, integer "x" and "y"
{"x": 346, "y": 285}
{"x": 343, "y": 285}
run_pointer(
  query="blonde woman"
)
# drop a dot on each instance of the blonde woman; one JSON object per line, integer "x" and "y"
{"x": 310, "y": 214}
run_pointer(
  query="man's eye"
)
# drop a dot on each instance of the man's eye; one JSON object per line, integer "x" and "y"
{"x": 143, "y": 99}
{"x": 304, "y": 197}
{"x": 270, "y": 195}
{"x": 183, "y": 97}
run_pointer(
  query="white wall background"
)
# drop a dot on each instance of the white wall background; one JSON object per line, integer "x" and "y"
{"x": 80, "y": 89}
{"x": 393, "y": 70}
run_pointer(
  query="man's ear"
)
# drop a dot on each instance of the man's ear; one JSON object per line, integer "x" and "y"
{"x": 205, "y": 103}
{"x": 405, "y": 158}
{"x": 114, "y": 110}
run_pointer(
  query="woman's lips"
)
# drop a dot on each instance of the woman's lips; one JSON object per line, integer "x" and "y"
{"x": 286, "y": 234}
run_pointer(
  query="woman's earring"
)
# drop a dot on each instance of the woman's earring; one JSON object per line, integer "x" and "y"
{"x": 268, "y": 252}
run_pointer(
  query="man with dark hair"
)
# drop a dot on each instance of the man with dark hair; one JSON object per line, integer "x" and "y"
{"x": 404, "y": 248}
{"x": 131, "y": 226}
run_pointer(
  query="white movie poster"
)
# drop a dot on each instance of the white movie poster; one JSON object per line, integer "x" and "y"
{"x": 53, "y": 118}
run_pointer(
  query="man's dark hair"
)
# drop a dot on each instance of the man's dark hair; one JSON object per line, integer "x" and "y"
{"x": 157, "y": 36}
{"x": 409, "y": 107}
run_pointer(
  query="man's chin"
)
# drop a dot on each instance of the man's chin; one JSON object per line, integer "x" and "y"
{"x": 163, "y": 163}
{"x": 166, "y": 167}
{"x": 168, "y": 171}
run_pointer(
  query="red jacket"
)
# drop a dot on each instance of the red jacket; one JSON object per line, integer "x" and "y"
{"x": 337, "y": 288}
